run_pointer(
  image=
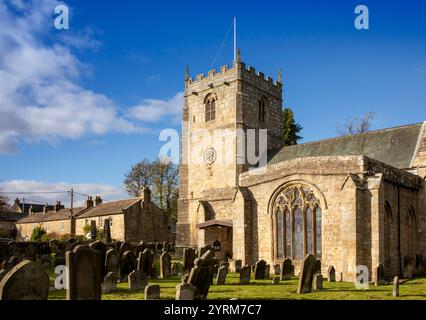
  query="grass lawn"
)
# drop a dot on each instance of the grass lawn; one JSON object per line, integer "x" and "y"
{"x": 263, "y": 289}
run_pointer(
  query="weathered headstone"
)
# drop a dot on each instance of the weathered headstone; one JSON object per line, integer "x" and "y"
{"x": 112, "y": 260}
{"x": 84, "y": 273}
{"x": 93, "y": 230}
{"x": 379, "y": 278}
{"x": 185, "y": 278}
{"x": 276, "y": 280}
{"x": 286, "y": 269}
{"x": 395, "y": 290}
{"x": 259, "y": 270}
{"x": 277, "y": 269}
{"x": 124, "y": 247}
{"x": 25, "y": 281}
{"x": 331, "y": 274}
{"x": 317, "y": 266}
{"x": 188, "y": 259}
{"x": 165, "y": 265}
{"x": 145, "y": 261}
{"x": 109, "y": 283}
{"x": 3, "y": 272}
{"x": 245, "y": 275}
{"x": 185, "y": 291}
{"x": 221, "y": 275}
{"x": 201, "y": 274}
{"x": 318, "y": 281}
{"x": 341, "y": 277}
{"x": 152, "y": 291}
{"x": 45, "y": 261}
{"x": 204, "y": 249}
{"x": 175, "y": 269}
{"x": 107, "y": 230}
{"x": 137, "y": 280}
{"x": 128, "y": 264}
{"x": 102, "y": 248}
{"x": 267, "y": 271}
{"x": 306, "y": 274}
{"x": 235, "y": 265}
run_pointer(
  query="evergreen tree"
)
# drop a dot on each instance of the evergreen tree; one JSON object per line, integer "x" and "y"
{"x": 291, "y": 128}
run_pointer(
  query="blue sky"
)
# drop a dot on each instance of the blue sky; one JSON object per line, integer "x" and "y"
{"x": 120, "y": 58}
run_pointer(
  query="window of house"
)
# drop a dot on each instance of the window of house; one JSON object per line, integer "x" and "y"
{"x": 210, "y": 105}
{"x": 297, "y": 222}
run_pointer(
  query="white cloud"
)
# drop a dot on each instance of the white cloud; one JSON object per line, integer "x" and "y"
{"x": 153, "y": 110}
{"x": 40, "y": 95}
{"x": 107, "y": 192}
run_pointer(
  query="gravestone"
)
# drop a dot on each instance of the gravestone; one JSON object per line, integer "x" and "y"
{"x": 3, "y": 272}
{"x": 245, "y": 275}
{"x": 276, "y": 280}
{"x": 185, "y": 291}
{"x": 185, "y": 277}
{"x": 109, "y": 283}
{"x": 165, "y": 265}
{"x": 124, "y": 247}
{"x": 128, "y": 264}
{"x": 224, "y": 264}
{"x": 11, "y": 262}
{"x": 331, "y": 274}
{"x": 235, "y": 266}
{"x": 277, "y": 269}
{"x": 259, "y": 270}
{"x": 318, "y": 281}
{"x": 267, "y": 271}
{"x": 45, "y": 261}
{"x": 379, "y": 277}
{"x": 395, "y": 289}
{"x": 175, "y": 269}
{"x": 286, "y": 269}
{"x": 84, "y": 273}
{"x": 152, "y": 291}
{"x": 221, "y": 275}
{"x": 107, "y": 230}
{"x": 145, "y": 261}
{"x": 204, "y": 249}
{"x": 59, "y": 258}
{"x": 201, "y": 275}
{"x": 188, "y": 259}
{"x": 93, "y": 230}
{"x": 25, "y": 281}
{"x": 317, "y": 266}
{"x": 112, "y": 260}
{"x": 137, "y": 280}
{"x": 102, "y": 248}
{"x": 306, "y": 274}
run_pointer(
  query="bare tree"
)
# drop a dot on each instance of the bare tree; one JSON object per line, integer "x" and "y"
{"x": 358, "y": 124}
{"x": 4, "y": 203}
{"x": 140, "y": 175}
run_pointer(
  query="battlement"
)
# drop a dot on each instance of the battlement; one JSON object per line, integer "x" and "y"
{"x": 211, "y": 75}
{"x": 261, "y": 76}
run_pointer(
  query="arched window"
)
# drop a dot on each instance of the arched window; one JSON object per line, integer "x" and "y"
{"x": 262, "y": 109}
{"x": 297, "y": 223}
{"x": 210, "y": 103}
{"x": 388, "y": 234}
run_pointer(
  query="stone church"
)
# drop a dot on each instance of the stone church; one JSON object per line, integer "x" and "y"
{"x": 351, "y": 200}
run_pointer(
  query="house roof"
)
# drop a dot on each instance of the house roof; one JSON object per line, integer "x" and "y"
{"x": 394, "y": 146}
{"x": 11, "y": 216}
{"x": 108, "y": 208}
{"x": 51, "y": 215}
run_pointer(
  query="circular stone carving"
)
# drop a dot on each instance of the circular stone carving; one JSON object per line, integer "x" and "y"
{"x": 210, "y": 156}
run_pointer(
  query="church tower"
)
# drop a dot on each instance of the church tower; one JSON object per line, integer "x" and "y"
{"x": 217, "y": 109}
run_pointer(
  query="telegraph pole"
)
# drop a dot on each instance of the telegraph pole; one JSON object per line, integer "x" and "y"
{"x": 72, "y": 220}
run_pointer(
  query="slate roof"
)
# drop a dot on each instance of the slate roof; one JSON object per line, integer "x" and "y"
{"x": 394, "y": 146}
{"x": 11, "y": 216}
{"x": 108, "y": 208}
{"x": 62, "y": 214}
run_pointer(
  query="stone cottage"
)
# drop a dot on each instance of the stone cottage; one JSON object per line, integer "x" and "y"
{"x": 352, "y": 200}
{"x": 133, "y": 219}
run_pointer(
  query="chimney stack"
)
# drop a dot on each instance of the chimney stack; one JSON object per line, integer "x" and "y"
{"x": 45, "y": 208}
{"x": 89, "y": 202}
{"x": 30, "y": 210}
{"x": 98, "y": 200}
{"x": 57, "y": 206}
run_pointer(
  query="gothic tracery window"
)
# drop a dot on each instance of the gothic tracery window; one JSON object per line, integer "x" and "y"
{"x": 210, "y": 103}
{"x": 297, "y": 223}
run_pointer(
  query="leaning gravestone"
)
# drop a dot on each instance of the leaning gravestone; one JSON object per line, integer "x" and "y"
{"x": 317, "y": 266}
{"x": 277, "y": 269}
{"x": 93, "y": 230}
{"x": 188, "y": 259}
{"x": 145, "y": 261}
{"x": 395, "y": 289}
{"x": 221, "y": 275}
{"x": 235, "y": 266}
{"x": 110, "y": 283}
{"x": 25, "y": 281}
{"x": 84, "y": 273}
{"x": 102, "y": 248}
{"x": 112, "y": 260}
{"x": 331, "y": 274}
{"x": 259, "y": 270}
{"x": 306, "y": 274}
{"x": 245, "y": 275}
{"x": 286, "y": 269}
{"x": 165, "y": 265}
{"x": 107, "y": 230}
{"x": 201, "y": 274}
{"x": 267, "y": 271}
{"x": 128, "y": 264}
{"x": 380, "y": 275}
{"x": 137, "y": 280}
{"x": 318, "y": 281}
{"x": 204, "y": 249}
{"x": 152, "y": 291}
{"x": 185, "y": 291}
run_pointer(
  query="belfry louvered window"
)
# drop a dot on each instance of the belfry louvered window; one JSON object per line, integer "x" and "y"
{"x": 210, "y": 103}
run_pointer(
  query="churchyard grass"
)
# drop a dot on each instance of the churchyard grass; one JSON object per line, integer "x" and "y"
{"x": 263, "y": 289}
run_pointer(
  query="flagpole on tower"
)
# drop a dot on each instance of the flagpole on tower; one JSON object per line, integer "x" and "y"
{"x": 235, "y": 39}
